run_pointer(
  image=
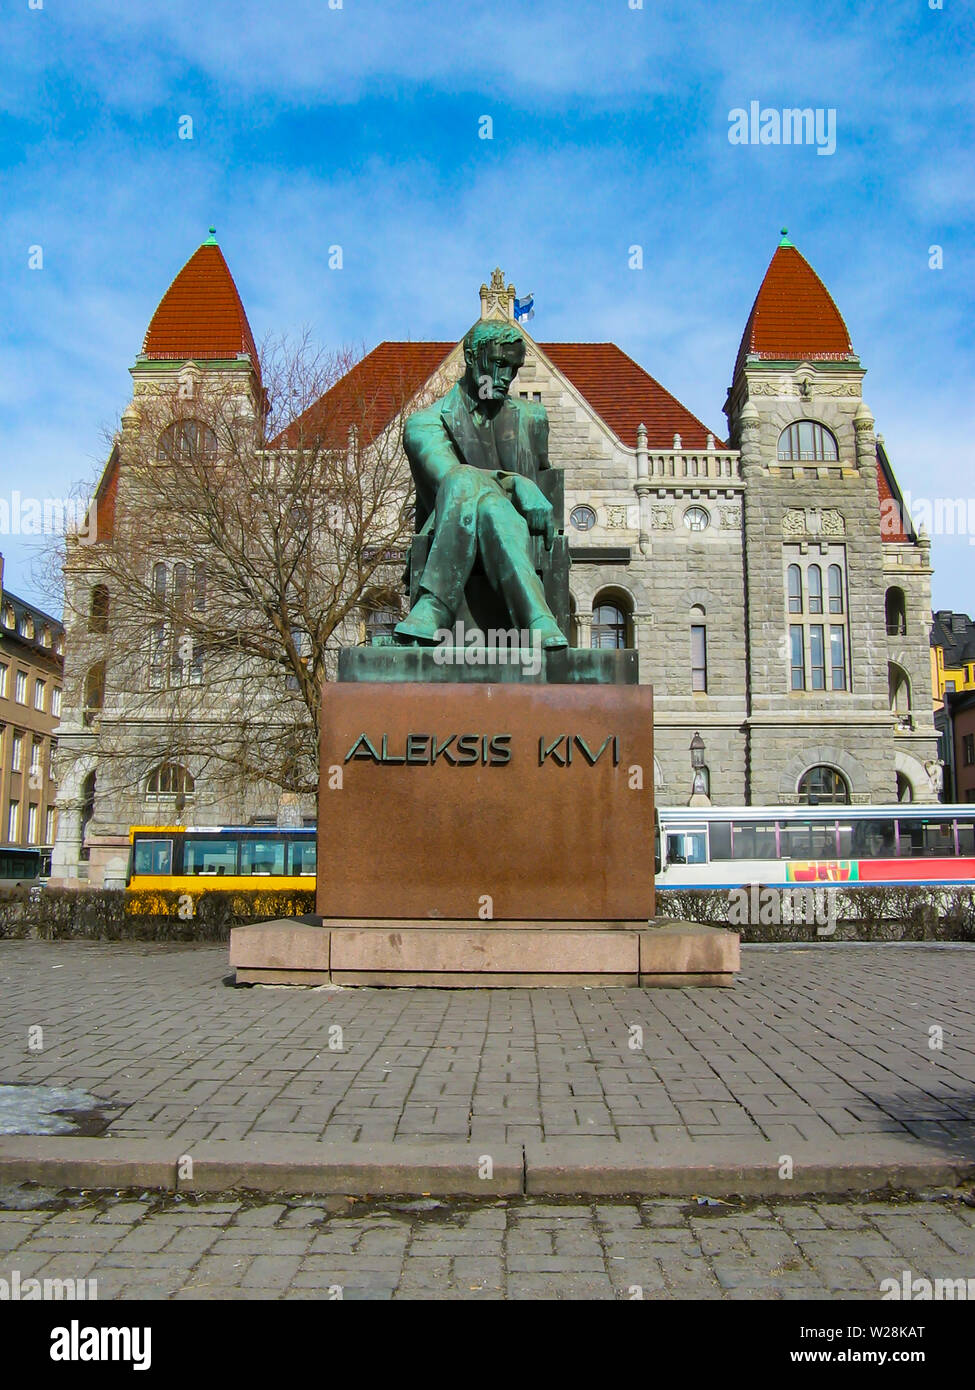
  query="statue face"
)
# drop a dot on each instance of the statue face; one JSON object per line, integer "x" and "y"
{"x": 496, "y": 368}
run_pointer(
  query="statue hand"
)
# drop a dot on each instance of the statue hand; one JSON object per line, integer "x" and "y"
{"x": 534, "y": 507}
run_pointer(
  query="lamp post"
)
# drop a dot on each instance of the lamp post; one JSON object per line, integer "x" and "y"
{"x": 700, "y": 785}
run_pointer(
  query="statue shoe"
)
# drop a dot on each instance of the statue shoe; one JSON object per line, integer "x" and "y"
{"x": 426, "y": 619}
{"x": 551, "y": 634}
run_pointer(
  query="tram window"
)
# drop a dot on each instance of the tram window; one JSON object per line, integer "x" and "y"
{"x": 153, "y": 857}
{"x": 687, "y": 847}
{"x": 926, "y": 839}
{"x": 217, "y": 856}
{"x": 261, "y": 856}
{"x": 802, "y": 840}
{"x": 753, "y": 841}
{"x": 720, "y": 839}
{"x": 966, "y": 837}
{"x": 302, "y": 857}
{"x": 873, "y": 839}
{"x": 846, "y": 850}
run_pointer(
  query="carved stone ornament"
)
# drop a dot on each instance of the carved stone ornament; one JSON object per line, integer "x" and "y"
{"x": 663, "y": 518}
{"x": 813, "y": 523}
{"x": 730, "y": 518}
{"x": 616, "y": 519}
{"x": 794, "y": 524}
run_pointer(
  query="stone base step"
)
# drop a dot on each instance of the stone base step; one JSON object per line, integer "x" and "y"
{"x": 454, "y": 954}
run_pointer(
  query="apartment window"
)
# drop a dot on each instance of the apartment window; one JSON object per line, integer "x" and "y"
{"x": 39, "y": 688}
{"x": 795, "y": 589}
{"x": 4, "y": 671}
{"x": 98, "y": 609}
{"x": 56, "y": 702}
{"x": 49, "y": 826}
{"x": 16, "y": 752}
{"x": 837, "y": 657}
{"x": 608, "y": 626}
{"x": 815, "y": 589}
{"x": 835, "y": 579}
{"x": 949, "y": 687}
{"x": 32, "y": 824}
{"x": 699, "y": 657}
{"x": 817, "y": 657}
{"x": 20, "y": 689}
{"x": 968, "y": 743}
{"x": 13, "y": 821}
{"x": 35, "y": 761}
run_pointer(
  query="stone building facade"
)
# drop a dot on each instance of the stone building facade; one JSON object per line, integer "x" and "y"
{"x": 772, "y": 583}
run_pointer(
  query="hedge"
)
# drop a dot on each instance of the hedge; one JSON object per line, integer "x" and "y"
{"x": 115, "y": 914}
{"x": 856, "y": 913}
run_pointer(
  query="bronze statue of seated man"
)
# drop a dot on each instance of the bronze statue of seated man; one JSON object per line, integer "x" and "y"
{"x": 475, "y": 457}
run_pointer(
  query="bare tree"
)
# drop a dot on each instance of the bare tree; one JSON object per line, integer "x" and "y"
{"x": 249, "y": 530}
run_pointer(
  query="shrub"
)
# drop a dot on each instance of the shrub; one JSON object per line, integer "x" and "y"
{"x": 114, "y": 914}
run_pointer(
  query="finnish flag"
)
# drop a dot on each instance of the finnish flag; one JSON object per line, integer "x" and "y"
{"x": 525, "y": 308}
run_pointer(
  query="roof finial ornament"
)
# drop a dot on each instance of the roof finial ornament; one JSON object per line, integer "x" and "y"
{"x": 785, "y": 238}
{"x": 212, "y": 238}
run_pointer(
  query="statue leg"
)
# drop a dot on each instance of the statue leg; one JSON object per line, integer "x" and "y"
{"x": 451, "y": 558}
{"x": 506, "y": 556}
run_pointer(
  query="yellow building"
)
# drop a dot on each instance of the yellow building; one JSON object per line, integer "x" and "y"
{"x": 952, "y": 654}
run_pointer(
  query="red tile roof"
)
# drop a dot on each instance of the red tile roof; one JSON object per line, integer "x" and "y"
{"x": 625, "y": 396}
{"x": 891, "y": 514}
{"x": 794, "y": 318}
{"x": 619, "y": 391}
{"x": 201, "y": 314}
{"x": 370, "y": 394}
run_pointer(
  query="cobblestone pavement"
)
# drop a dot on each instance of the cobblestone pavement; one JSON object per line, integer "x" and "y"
{"x": 820, "y": 1042}
{"x": 163, "y": 1247}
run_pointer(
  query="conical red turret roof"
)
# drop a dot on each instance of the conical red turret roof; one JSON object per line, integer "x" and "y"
{"x": 201, "y": 315}
{"x": 794, "y": 318}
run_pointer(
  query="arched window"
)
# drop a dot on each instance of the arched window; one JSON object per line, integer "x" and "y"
{"x": 98, "y": 610}
{"x": 898, "y": 690}
{"x": 824, "y": 786}
{"x": 159, "y": 582}
{"x": 608, "y": 626}
{"x": 795, "y": 589}
{"x": 835, "y": 580}
{"x": 814, "y": 578}
{"x": 94, "y": 692}
{"x": 169, "y": 780}
{"x": 807, "y": 441}
{"x": 184, "y": 440}
{"x": 87, "y": 811}
{"x": 699, "y": 650}
{"x": 895, "y": 610}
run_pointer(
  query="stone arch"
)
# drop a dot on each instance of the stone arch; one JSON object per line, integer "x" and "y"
{"x": 899, "y": 694}
{"x": 914, "y": 771}
{"x": 813, "y": 755}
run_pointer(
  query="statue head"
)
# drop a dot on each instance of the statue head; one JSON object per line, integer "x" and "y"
{"x": 493, "y": 352}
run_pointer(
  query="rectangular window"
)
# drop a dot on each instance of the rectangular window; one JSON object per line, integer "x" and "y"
{"x": 21, "y": 688}
{"x": 798, "y": 658}
{"x": 56, "y": 702}
{"x": 837, "y": 657}
{"x": 720, "y": 839}
{"x": 39, "y": 688}
{"x": 303, "y": 854}
{"x": 262, "y": 857}
{"x": 4, "y": 669}
{"x": 817, "y": 657}
{"x": 949, "y": 687}
{"x": 969, "y": 744}
{"x": 35, "y": 758}
{"x": 751, "y": 841}
{"x": 13, "y": 821}
{"x": 212, "y": 856}
{"x": 16, "y": 752}
{"x": 699, "y": 658}
{"x": 926, "y": 839}
{"x": 966, "y": 837}
{"x": 32, "y": 824}
{"x": 153, "y": 857}
{"x": 49, "y": 826}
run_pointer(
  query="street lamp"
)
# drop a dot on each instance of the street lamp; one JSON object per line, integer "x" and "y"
{"x": 699, "y": 786}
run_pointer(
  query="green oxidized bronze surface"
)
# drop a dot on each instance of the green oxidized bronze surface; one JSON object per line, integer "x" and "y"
{"x": 477, "y": 456}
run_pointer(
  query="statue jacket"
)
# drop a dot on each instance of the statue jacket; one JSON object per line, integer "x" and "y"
{"x": 445, "y": 434}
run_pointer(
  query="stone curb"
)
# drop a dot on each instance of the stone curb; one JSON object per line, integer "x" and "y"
{"x": 569, "y": 1168}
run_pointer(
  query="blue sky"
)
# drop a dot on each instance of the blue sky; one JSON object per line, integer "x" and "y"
{"x": 358, "y": 126}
